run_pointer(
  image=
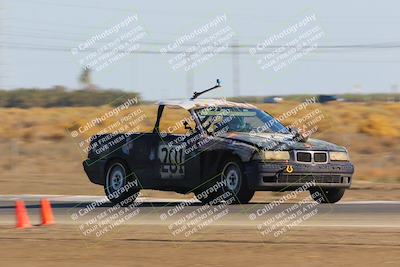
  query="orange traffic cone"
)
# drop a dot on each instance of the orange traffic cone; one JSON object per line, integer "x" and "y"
{"x": 21, "y": 215}
{"x": 46, "y": 212}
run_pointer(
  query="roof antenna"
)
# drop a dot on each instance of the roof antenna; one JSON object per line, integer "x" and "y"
{"x": 197, "y": 94}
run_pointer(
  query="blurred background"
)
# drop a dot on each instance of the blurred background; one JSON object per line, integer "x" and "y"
{"x": 48, "y": 88}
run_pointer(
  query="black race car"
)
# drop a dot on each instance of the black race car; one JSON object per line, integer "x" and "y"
{"x": 232, "y": 147}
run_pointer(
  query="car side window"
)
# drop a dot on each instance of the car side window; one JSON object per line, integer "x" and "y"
{"x": 140, "y": 119}
{"x": 176, "y": 120}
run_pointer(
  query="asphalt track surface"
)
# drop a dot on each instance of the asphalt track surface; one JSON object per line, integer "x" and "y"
{"x": 153, "y": 211}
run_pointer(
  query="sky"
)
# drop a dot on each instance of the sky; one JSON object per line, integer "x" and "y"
{"x": 356, "y": 48}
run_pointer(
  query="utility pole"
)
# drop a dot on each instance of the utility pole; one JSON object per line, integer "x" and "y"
{"x": 189, "y": 76}
{"x": 235, "y": 68}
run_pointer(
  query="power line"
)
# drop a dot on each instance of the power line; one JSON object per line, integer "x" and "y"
{"x": 81, "y": 6}
{"x": 166, "y": 42}
{"x": 235, "y": 46}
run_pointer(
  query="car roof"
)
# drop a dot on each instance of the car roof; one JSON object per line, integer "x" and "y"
{"x": 203, "y": 103}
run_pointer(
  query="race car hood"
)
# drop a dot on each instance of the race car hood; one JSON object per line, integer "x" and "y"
{"x": 274, "y": 141}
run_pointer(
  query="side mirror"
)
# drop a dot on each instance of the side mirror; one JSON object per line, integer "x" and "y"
{"x": 299, "y": 134}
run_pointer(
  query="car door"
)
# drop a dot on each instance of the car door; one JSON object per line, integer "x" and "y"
{"x": 178, "y": 164}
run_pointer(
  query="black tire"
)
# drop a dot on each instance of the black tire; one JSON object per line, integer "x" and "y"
{"x": 116, "y": 187}
{"x": 327, "y": 195}
{"x": 231, "y": 184}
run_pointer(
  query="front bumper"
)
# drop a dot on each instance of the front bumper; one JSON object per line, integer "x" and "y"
{"x": 289, "y": 176}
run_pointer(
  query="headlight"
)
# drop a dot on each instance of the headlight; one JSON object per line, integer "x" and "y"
{"x": 342, "y": 156}
{"x": 272, "y": 155}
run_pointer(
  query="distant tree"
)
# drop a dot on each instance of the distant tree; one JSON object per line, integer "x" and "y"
{"x": 86, "y": 79}
{"x": 59, "y": 88}
{"x": 60, "y": 97}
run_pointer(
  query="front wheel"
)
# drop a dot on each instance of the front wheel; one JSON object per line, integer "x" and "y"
{"x": 118, "y": 186}
{"x": 327, "y": 195}
{"x": 230, "y": 185}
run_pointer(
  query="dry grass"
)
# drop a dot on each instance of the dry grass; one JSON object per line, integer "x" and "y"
{"x": 37, "y": 147}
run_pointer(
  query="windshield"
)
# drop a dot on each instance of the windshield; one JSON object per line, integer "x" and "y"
{"x": 233, "y": 119}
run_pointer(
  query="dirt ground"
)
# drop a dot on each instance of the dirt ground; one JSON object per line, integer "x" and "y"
{"x": 154, "y": 246}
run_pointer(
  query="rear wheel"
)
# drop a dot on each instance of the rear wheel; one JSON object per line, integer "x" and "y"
{"x": 230, "y": 185}
{"x": 118, "y": 186}
{"x": 327, "y": 195}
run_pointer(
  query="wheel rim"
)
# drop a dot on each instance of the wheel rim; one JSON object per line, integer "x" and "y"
{"x": 232, "y": 177}
{"x": 115, "y": 178}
